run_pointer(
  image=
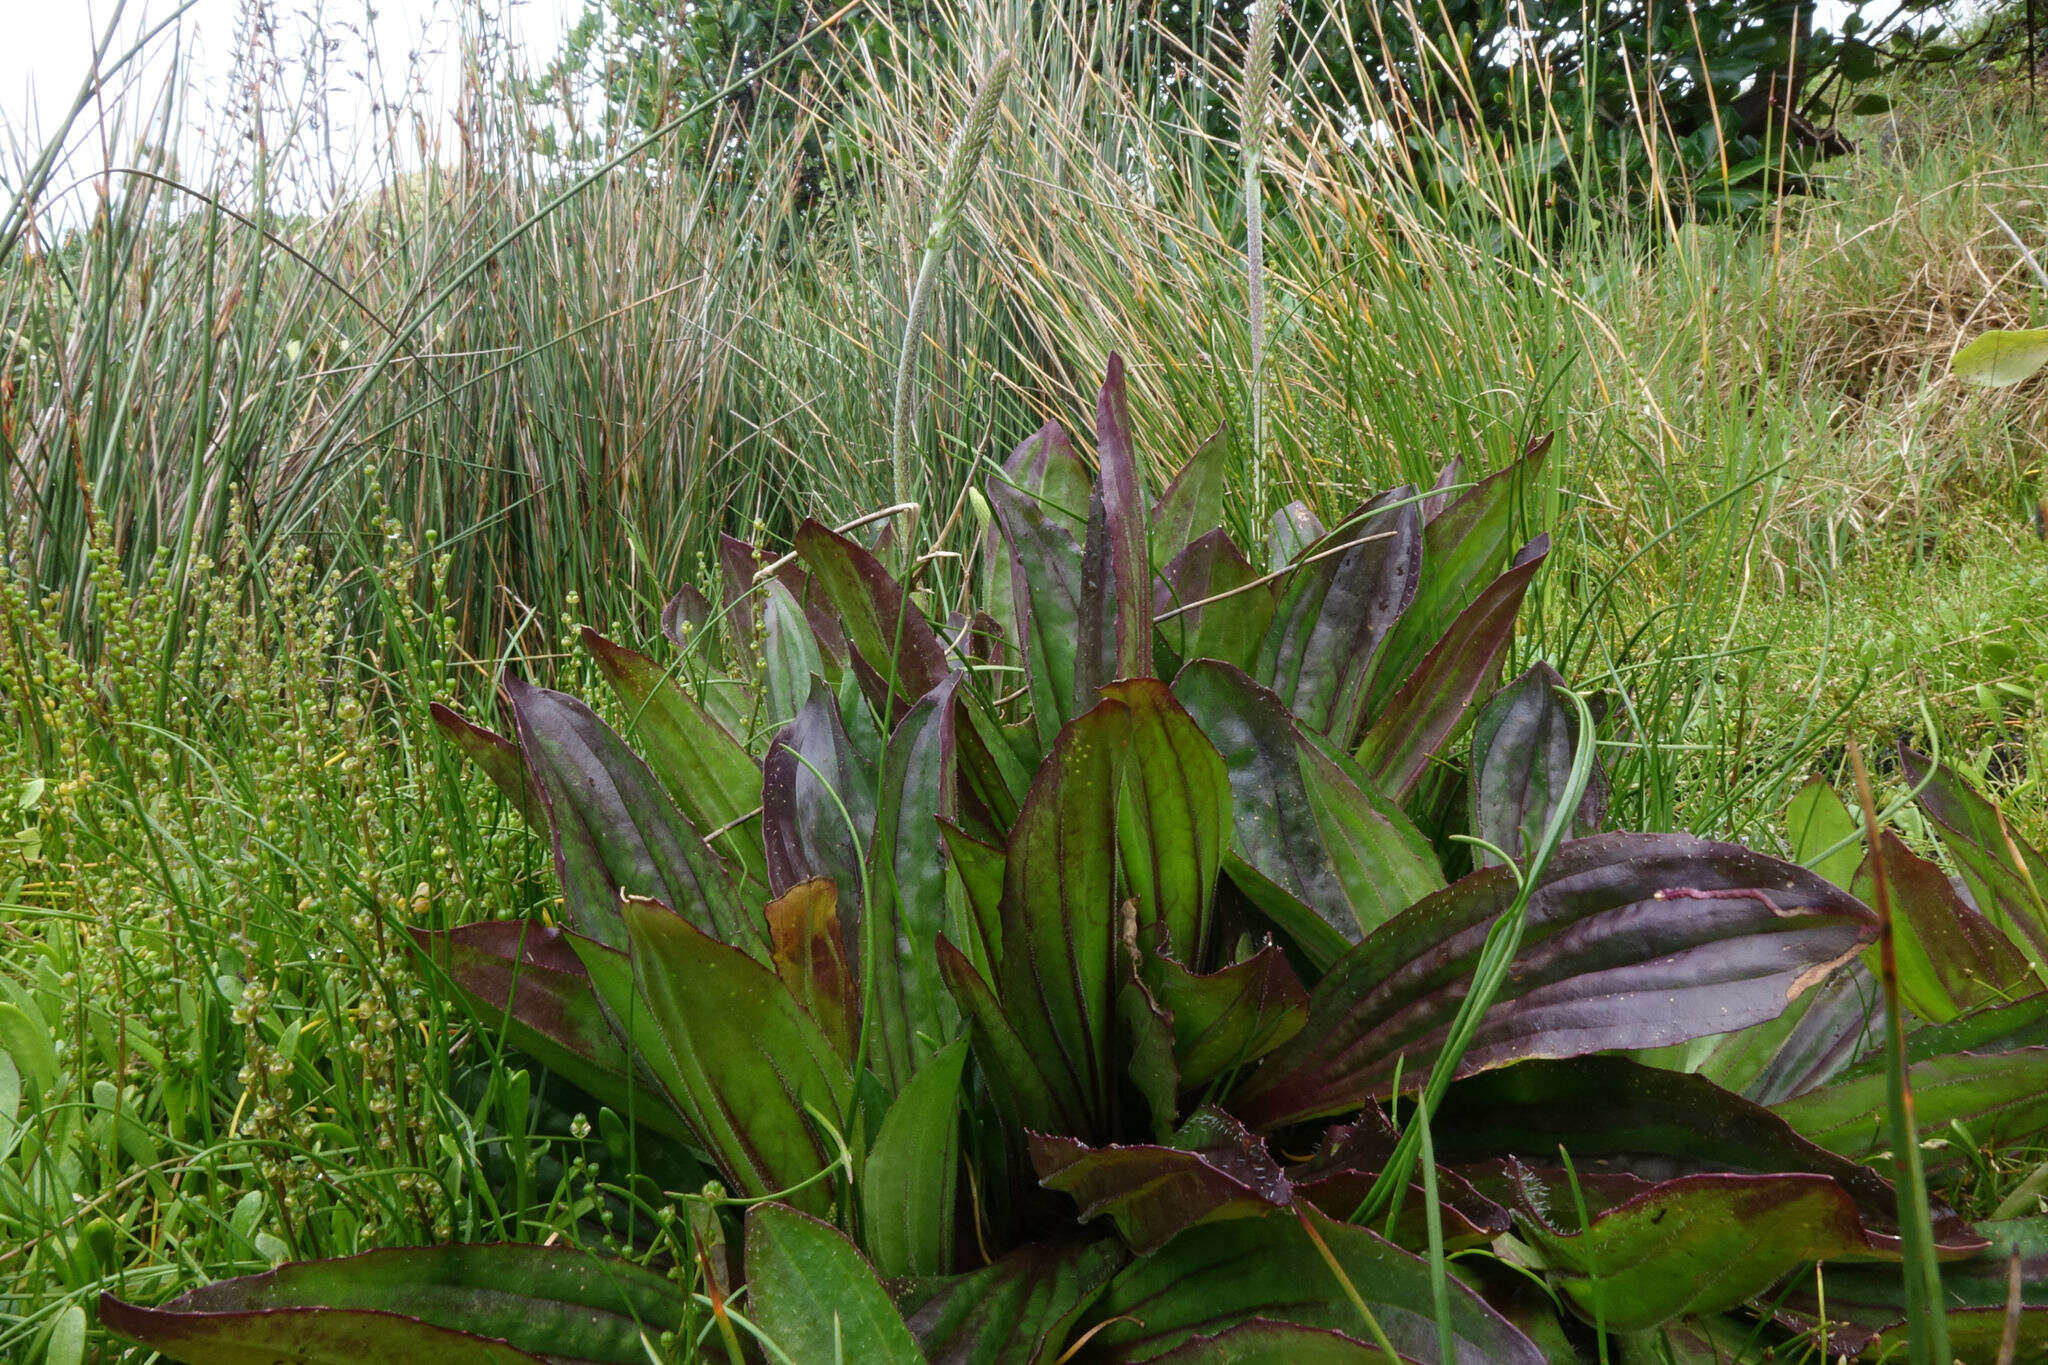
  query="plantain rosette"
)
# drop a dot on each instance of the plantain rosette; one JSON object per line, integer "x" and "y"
{"x": 1063, "y": 965}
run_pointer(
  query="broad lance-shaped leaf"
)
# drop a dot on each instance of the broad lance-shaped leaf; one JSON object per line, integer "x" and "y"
{"x": 1172, "y": 814}
{"x": 893, "y": 639}
{"x": 1632, "y": 941}
{"x": 1045, "y": 567}
{"x": 1295, "y": 527}
{"x": 1025, "y": 1093}
{"x": 818, "y": 807}
{"x": 790, "y": 652}
{"x": 1823, "y": 1031}
{"x": 2000, "y": 1096}
{"x": 1045, "y": 469}
{"x": 1213, "y": 1171}
{"x": 1123, "y": 505}
{"x": 808, "y": 952}
{"x": 1320, "y": 855}
{"x": 745, "y": 1055}
{"x": 1227, "y": 1018}
{"x": 1950, "y": 958}
{"x": 1431, "y": 709}
{"x": 466, "y": 1305}
{"x": 1059, "y": 913}
{"x": 810, "y": 1293}
{"x": 1823, "y": 834}
{"x": 498, "y": 757}
{"x": 2007, "y": 878}
{"x": 1522, "y": 747}
{"x": 907, "y": 864}
{"x": 1214, "y": 1278}
{"x": 525, "y": 980}
{"x": 738, "y": 563}
{"x": 714, "y": 781}
{"x": 1192, "y": 505}
{"x": 616, "y": 832}
{"x": 1212, "y": 604}
{"x": 1337, "y": 605}
{"x": 1463, "y": 547}
{"x": 909, "y": 1184}
{"x": 1259, "y": 1342}
{"x": 1017, "y": 1311}
{"x": 1618, "y": 1118}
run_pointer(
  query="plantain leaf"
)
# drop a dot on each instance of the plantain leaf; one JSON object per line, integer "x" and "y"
{"x": 684, "y": 617}
{"x": 1229, "y": 1018}
{"x": 1632, "y": 940}
{"x": 1270, "y": 1270}
{"x": 526, "y": 981}
{"x": 738, "y": 564}
{"x": 790, "y": 653}
{"x": 1172, "y": 814}
{"x": 1045, "y": 568}
{"x": 498, "y": 757}
{"x": 909, "y": 1183}
{"x": 1950, "y": 958}
{"x": 1341, "y": 1174}
{"x": 1337, "y": 605}
{"x": 893, "y": 639}
{"x": 713, "y": 780}
{"x": 808, "y": 952}
{"x": 743, "y": 1052}
{"x": 818, "y": 808}
{"x": 1522, "y": 747}
{"x": 1293, "y": 530}
{"x": 1016, "y": 1311}
{"x": 1430, "y": 710}
{"x": 1822, "y": 1032}
{"x": 1999, "y": 1097}
{"x": 1123, "y": 506}
{"x": 810, "y": 1293}
{"x": 466, "y": 1305}
{"x": 2008, "y": 879}
{"x": 2002, "y": 357}
{"x": 1213, "y": 603}
{"x": 1383, "y": 862}
{"x": 1192, "y": 505}
{"x": 1024, "y": 1096}
{"x": 1440, "y": 493}
{"x": 1213, "y": 1171}
{"x": 1824, "y": 834}
{"x": 615, "y": 830}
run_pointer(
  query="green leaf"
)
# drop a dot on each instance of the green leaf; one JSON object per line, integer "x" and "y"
{"x": 1172, "y": 814}
{"x": 1431, "y": 708}
{"x": 1382, "y": 861}
{"x": 810, "y": 1293}
{"x": 745, "y": 1054}
{"x": 808, "y": 951}
{"x": 1824, "y": 835}
{"x": 466, "y": 1305}
{"x": 895, "y": 641}
{"x": 1522, "y": 747}
{"x": 1950, "y": 958}
{"x": 1213, "y": 1171}
{"x": 1124, "y": 519}
{"x": 2007, "y": 879}
{"x": 28, "y": 1043}
{"x": 790, "y": 652}
{"x": 1192, "y": 505}
{"x": 1229, "y": 1018}
{"x": 498, "y": 757}
{"x": 1270, "y": 1269}
{"x": 1045, "y": 566}
{"x": 1023, "y": 1095}
{"x": 1017, "y": 1311}
{"x": 1999, "y": 1097}
{"x": 1632, "y": 940}
{"x": 714, "y": 781}
{"x": 1213, "y": 604}
{"x": 2003, "y": 357}
{"x": 909, "y": 1183}
{"x": 1272, "y": 1343}
{"x": 818, "y": 807}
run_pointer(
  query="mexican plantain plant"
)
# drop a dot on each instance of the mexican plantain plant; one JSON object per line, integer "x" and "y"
{"x": 1156, "y": 955}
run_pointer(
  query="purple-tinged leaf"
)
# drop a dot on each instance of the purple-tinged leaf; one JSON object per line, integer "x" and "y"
{"x": 465, "y": 1305}
{"x": 1259, "y": 1342}
{"x": 810, "y": 1293}
{"x": 1618, "y": 1118}
{"x": 790, "y": 652}
{"x": 1017, "y": 1311}
{"x": 1295, "y": 527}
{"x": 1440, "y": 495}
{"x": 1822, "y": 1032}
{"x": 745, "y": 1054}
{"x": 738, "y": 563}
{"x": 1146, "y": 1031}
{"x": 1463, "y": 548}
{"x": 1059, "y": 914}
{"x": 1123, "y": 505}
{"x": 1172, "y": 814}
{"x": 907, "y": 866}
{"x": 1228, "y": 1018}
{"x": 1429, "y": 711}
{"x": 1095, "y": 619}
{"x": 974, "y": 907}
{"x": 615, "y": 830}
{"x": 1522, "y": 747}
{"x": 1337, "y": 605}
{"x": 1045, "y": 565}
{"x": 1999, "y": 1097}
{"x": 1213, "y": 1171}
{"x": 713, "y": 780}
{"x": 1192, "y": 505}
{"x": 892, "y": 637}
{"x": 807, "y": 951}
{"x": 1271, "y": 1269}
{"x": 498, "y": 757}
{"x": 1632, "y": 941}
{"x": 1383, "y": 862}
{"x": 683, "y": 618}
{"x": 525, "y": 981}
{"x": 1213, "y": 606}
{"x": 1048, "y": 468}
{"x": 1024, "y": 1096}
{"x": 2007, "y": 878}
{"x": 818, "y": 807}
{"x": 1337, "y": 1178}
{"x": 1950, "y": 958}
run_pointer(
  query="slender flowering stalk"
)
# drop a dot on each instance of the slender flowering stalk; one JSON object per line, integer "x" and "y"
{"x": 961, "y": 163}
{"x": 1258, "y": 86}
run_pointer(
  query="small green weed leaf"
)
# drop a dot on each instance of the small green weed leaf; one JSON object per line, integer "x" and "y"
{"x": 64, "y": 1344}
{"x": 2003, "y": 357}
{"x": 909, "y": 1184}
{"x": 811, "y": 1294}
{"x": 1632, "y": 940}
{"x": 27, "y": 1041}
{"x": 1017, "y": 1311}
{"x": 1823, "y": 834}
{"x": 467, "y": 1305}
{"x": 1213, "y": 1170}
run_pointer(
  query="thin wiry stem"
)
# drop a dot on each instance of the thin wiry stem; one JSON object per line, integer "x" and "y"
{"x": 1258, "y": 85}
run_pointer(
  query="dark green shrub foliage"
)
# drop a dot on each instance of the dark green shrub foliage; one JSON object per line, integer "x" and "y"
{"x": 1019, "y": 995}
